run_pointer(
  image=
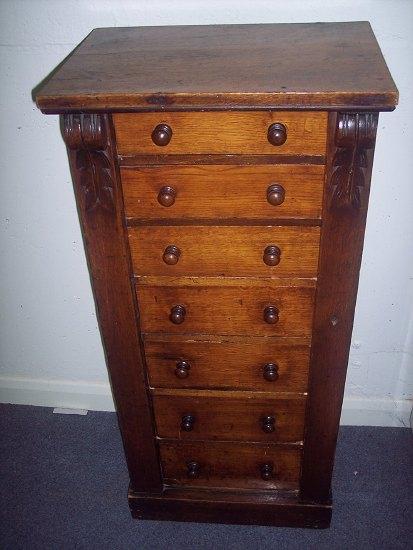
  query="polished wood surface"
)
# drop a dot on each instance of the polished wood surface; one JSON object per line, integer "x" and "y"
{"x": 352, "y": 139}
{"x": 227, "y": 310}
{"x": 223, "y": 133}
{"x": 324, "y": 65}
{"x": 137, "y": 160}
{"x": 225, "y": 251}
{"x": 90, "y": 145}
{"x": 278, "y": 508}
{"x": 228, "y": 416}
{"x": 222, "y": 177}
{"x": 226, "y": 192}
{"x": 228, "y": 364}
{"x": 230, "y": 465}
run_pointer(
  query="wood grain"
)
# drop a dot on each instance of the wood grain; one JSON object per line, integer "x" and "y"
{"x": 229, "y": 465}
{"x": 239, "y": 282}
{"x": 137, "y": 160}
{"x": 90, "y": 145}
{"x": 225, "y": 251}
{"x": 323, "y": 65}
{"x": 234, "y": 310}
{"x": 228, "y": 417}
{"x": 340, "y": 258}
{"x": 280, "y": 508}
{"x": 228, "y": 365}
{"x": 222, "y": 191}
{"x": 223, "y": 133}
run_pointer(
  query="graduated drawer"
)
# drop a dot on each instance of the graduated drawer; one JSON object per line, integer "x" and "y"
{"x": 225, "y": 251}
{"x": 227, "y": 416}
{"x": 229, "y": 465}
{"x": 221, "y": 133}
{"x": 223, "y": 192}
{"x": 262, "y": 364}
{"x": 245, "y": 309}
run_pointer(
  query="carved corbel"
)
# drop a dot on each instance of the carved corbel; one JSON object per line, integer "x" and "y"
{"x": 355, "y": 135}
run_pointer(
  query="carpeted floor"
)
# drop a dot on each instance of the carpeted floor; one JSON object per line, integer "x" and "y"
{"x": 63, "y": 485}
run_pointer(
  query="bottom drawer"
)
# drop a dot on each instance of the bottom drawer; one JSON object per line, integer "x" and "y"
{"x": 230, "y": 465}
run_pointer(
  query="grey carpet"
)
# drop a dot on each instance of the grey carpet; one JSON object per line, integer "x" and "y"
{"x": 63, "y": 485}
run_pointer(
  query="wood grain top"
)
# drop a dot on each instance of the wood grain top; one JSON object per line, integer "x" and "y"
{"x": 288, "y": 66}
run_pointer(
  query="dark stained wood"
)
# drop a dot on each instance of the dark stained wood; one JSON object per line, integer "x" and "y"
{"x": 226, "y": 132}
{"x": 224, "y": 251}
{"x": 322, "y": 65}
{"x": 230, "y": 465}
{"x": 227, "y": 309}
{"x": 226, "y": 322}
{"x": 227, "y": 192}
{"x": 351, "y": 146}
{"x": 90, "y": 144}
{"x": 243, "y": 508}
{"x": 228, "y": 416}
{"x": 219, "y": 363}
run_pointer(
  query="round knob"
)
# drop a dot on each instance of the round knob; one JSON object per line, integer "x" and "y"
{"x": 277, "y": 133}
{"x": 271, "y": 315}
{"x": 171, "y": 255}
{"x": 182, "y": 369}
{"x": 193, "y": 469}
{"x": 270, "y": 372}
{"x": 162, "y": 135}
{"x": 187, "y": 422}
{"x": 275, "y": 194}
{"x": 272, "y": 255}
{"x": 177, "y": 315}
{"x": 166, "y": 196}
{"x": 268, "y": 424}
{"x": 267, "y": 471}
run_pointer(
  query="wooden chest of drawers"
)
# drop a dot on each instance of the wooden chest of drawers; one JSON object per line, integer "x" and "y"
{"x": 222, "y": 178}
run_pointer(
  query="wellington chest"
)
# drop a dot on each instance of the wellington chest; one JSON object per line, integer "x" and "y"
{"x": 222, "y": 178}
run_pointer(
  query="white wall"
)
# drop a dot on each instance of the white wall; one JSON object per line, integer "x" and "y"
{"x": 50, "y": 346}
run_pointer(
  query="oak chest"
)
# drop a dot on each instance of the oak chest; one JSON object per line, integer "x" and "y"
{"x": 222, "y": 178}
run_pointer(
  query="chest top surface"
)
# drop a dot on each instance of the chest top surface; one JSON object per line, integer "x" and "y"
{"x": 289, "y": 66}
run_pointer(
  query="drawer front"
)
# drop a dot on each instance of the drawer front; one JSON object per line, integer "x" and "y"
{"x": 221, "y": 133}
{"x": 225, "y": 251}
{"x": 261, "y": 364}
{"x": 222, "y": 417}
{"x": 230, "y": 465}
{"x": 226, "y": 192}
{"x": 242, "y": 310}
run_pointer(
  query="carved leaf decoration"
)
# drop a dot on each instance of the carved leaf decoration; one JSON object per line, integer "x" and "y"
{"x": 354, "y": 135}
{"x": 95, "y": 179}
{"x": 348, "y": 177}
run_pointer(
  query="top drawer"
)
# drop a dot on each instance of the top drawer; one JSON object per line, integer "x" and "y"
{"x": 236, "y": 133}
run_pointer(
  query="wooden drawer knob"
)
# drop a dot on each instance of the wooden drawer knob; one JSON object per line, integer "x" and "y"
{"x": 187, "y": 422}
{"x": 275, "y": 194}
{"x": 277, "y": 133}
{"x": 267, "y": 471}
{"x": 270, "y": 372}
{"x": 171, "y": 254}
{"x": 182, "y": 369}
{"x": 166, "y": 196}
{"x": 268, "y": 424}
{"x": 272, "y": 255}
{"x": 193, "y": 469}
{"x": 271, "y": 315}
{"x": 177, "y": 315}
{"x": 162, "y": 135}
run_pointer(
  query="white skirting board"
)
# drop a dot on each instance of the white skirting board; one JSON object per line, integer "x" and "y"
{"x": 97, "y": 397}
